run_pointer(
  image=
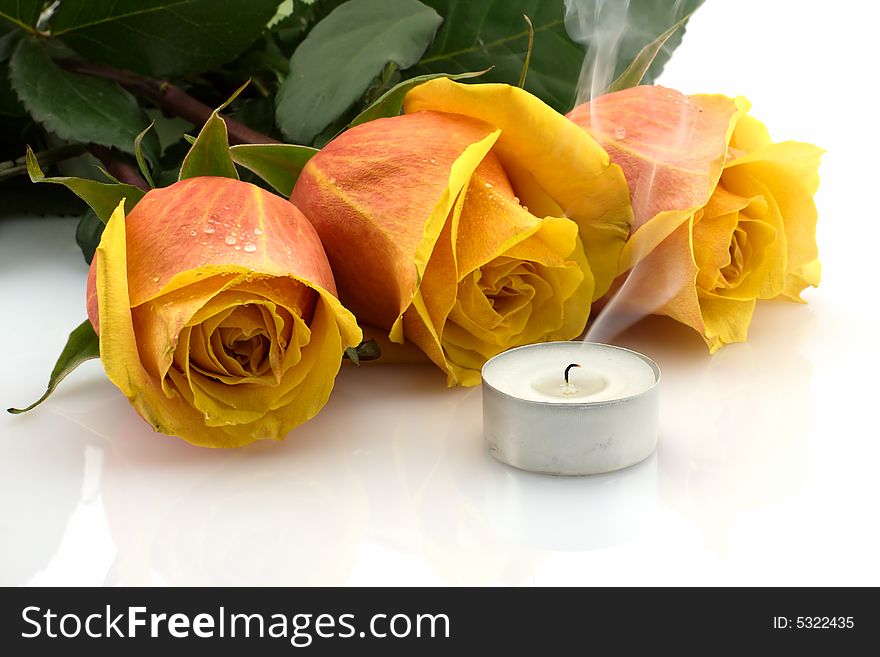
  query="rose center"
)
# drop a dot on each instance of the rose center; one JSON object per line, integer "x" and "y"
{"x": 251, "y": 350}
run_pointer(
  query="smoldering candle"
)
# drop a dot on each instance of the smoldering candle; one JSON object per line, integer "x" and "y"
{"x": 570, "y": 408}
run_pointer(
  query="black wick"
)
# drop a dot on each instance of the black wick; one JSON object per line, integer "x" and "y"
{"x": 567, "y": 370}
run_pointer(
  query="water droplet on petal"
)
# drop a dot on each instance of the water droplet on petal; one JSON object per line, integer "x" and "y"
{"x": 209, "y": 230}
{"x": 225, "y": 207}
{"x": 230, "y": 240}
{"x": 155, "y": 279}
{"x": 192, "y": 233}
{"x": 620, "y": 133}
{"x": 250, "y": 248}
{"x": 433, "y": 160}
{"x": 489, "y": 185}
{"x": 237, "y": 247}
{"x": 258, "y": 231}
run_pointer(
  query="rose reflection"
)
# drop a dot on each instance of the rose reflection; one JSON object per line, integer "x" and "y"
{"x": 478, "y": 521}
{"x": 272, "y": 514}
{"x": 39, "y": 490}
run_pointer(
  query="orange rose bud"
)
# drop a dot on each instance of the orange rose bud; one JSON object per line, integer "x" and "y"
{"x": 724, "y": 216}
{"x": 216, "y": 311}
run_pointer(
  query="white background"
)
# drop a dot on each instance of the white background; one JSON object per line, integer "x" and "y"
{"x": 766, "y": 471}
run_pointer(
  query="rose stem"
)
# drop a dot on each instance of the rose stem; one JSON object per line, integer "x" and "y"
{"x": 119, "y": 167}
{"x": 168, "y": 97}
{"x": 45, "y": 158}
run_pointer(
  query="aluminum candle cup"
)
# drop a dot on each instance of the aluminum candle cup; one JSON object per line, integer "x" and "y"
{"x": 570, "y": 408}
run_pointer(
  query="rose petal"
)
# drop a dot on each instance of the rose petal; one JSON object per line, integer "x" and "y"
{"x": 379, "y": 198}
{"x": 548, "y": 159}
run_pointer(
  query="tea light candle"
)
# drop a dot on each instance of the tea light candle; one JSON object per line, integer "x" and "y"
{"x": 570, "y": 408}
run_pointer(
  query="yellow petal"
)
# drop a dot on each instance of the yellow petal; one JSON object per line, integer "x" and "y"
{"x": 571, "y": 169}
{"x": 726, "y": 320}
{"x": 119, "y": 353}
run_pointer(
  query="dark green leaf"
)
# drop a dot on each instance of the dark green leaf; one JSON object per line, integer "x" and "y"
{"x": 169, "y": 129}
{"x": 209, "y": 155}
{"x": 161, "y": 37}
{"x": 638, "y": 24}
{"x": 77, "y": 107}
{"x": 21, "y": 13}
{"x": 82, "y": 345}
{"x": 638, "y": 69}
{"x": 290, "y": 31}
{"x": 334, "y": 65}
{"x": 477, "y": 35}
{"x": 391, "y": 102}
{"x": 88, "y": 234}
{"x": 101, "y": 197}
{"x": 277, "y": 164}
{"x": 366, "y": 350}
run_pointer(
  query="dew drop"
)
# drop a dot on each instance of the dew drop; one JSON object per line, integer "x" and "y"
{"x": 489, "y": 185}
{"x": 237, "y": 247}
{"x": 250, "y": 248}
{"x": 516, "y": 199}
{"x": 155, "y": 279}
{"x": 225, "y": 207}
{"x": 192, "y": 233}
{"x": 620, "y": 133}
{"x": 209, "y": 230}
{"x": 433, "y": 160}
{"x": 230, "y": 240}
{"x": 258, "y": 231}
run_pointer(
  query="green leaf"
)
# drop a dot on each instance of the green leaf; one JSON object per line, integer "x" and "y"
{"x": 82, "y": 345}
{"x": 335, "y": 63}
{"x": 75, "y": 107}
{"x": 161, "y": 38}
{"x": 638, "y": 69}
{"x": 139, "y": 156}
{"x": 209, "y": 154}
{"x": 290, "y": 31}
{"x": 101, "y": 197}
{"x": 391, "y": 102}
{"x": 477, "y": 35}
{"x": 88, "y": 234}
{"x": 21, "y": 13}
{"x": 277, "y": 164}
{"x": 637, "y": 24}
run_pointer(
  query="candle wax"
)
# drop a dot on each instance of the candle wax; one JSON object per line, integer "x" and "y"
{"x": 605, "y": 373}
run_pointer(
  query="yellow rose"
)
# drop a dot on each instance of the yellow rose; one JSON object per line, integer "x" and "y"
{"x": 216, "y": 312}
{"x": 478, "y": 221}
{"x": 723, "y": 216}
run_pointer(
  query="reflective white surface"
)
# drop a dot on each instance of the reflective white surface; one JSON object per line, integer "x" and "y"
{"x": 766, "y": 470}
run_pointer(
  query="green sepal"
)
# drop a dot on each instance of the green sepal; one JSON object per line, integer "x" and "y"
{"x": 277, "y": 164}
{"x": 82, "y": 345}
{"x": 103, "y": 198}
{"x": 209, "y": 155}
